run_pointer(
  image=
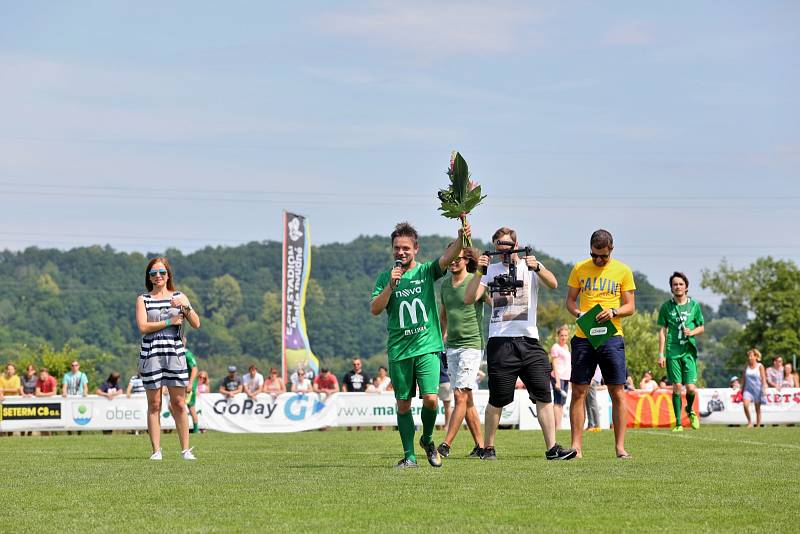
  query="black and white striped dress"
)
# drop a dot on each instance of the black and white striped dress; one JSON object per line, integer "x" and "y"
{"x": 161, "y": 359}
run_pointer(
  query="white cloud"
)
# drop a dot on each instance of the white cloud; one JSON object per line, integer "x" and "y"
{"x": 438, "y": 29}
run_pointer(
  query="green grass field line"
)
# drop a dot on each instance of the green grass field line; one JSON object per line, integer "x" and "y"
{"x": 712, "y": 480}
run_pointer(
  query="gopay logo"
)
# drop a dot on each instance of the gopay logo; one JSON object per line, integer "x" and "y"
{"x": 81, "y": 413}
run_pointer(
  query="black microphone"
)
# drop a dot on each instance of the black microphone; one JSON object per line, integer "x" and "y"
{"x": 397, "y": 263}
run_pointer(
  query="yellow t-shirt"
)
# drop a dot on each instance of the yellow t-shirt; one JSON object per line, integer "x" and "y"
{"x": 10, "y": 386}
{"x": 601, "y": 285}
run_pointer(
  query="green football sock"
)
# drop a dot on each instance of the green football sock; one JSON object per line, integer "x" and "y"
{"x": 195, "y": 428}
{"x": 428, "y": 417}
{"x": 676, "y": 406}
{"x": 405, "y": 424}
{"x": 689, "y": 402}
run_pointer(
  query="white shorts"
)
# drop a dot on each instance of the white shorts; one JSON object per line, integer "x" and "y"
{"x": 445, "y": 392}
{"x": 463, "y": 366}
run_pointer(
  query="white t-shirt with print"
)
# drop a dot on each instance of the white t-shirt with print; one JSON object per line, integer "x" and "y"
{"x": 513, "y": 316}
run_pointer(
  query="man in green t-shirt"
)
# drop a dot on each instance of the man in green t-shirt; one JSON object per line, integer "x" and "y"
{"x": 680, "y": 319}
{"x": 462, "y": 326}
{"x": 407, "y": 294}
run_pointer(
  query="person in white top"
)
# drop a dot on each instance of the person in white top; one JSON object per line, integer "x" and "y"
{"x": 513, "y": 350}
{"x": 647, "y": 384}
{"x": 303, "y": 384}
{"x": 253, "y": 382}
{"x": 562, "y": 368}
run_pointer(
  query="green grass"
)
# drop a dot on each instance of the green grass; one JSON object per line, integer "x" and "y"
{"x": 714, "y": 479}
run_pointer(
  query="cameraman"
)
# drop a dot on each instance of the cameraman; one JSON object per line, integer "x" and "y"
{"x": 513, "y": 349}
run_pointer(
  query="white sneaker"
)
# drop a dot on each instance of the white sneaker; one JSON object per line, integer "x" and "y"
{"x": 187, "y": 454}
{"x": 156, "y": 455}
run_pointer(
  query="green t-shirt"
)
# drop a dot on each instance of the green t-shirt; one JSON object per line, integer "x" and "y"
{"x": 677, "y": 343}
{"x": 413, "y": 322}
{"x": 191, "y": 363}
{"x": 464, "y": 321}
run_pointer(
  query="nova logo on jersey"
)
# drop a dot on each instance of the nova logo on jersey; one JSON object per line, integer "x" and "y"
{"x": 408, "y": 292}
{"x": 410, "y": 309}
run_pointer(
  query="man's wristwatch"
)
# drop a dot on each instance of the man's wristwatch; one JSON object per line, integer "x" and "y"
{"x": 538, "y": 267}
{"x": 187, "y": 309}
{"x": 613, "y": 312}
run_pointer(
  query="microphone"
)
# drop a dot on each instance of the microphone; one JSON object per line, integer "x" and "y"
{"x": 397, "y": 263}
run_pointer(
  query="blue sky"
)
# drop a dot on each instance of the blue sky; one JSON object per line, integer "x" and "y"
{"x": 149, "y": 125}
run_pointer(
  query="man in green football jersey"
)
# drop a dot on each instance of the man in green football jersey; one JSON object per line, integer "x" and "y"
{"x": 680, "y": 319}
{"x": 407, "y": 294}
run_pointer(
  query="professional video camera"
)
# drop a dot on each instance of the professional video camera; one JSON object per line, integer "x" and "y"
{"x": 506, "y": 284}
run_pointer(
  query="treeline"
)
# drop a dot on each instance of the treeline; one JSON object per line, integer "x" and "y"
{"x": 56, "y": 304}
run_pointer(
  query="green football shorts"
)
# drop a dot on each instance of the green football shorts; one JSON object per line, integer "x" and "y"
{"x": 682, "y": 369}
{"x": 422, "y": 370}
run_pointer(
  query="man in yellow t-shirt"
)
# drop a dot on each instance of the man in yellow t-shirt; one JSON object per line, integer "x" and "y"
{"x": 9, "y": 382}
{"x": 608, "y": 282}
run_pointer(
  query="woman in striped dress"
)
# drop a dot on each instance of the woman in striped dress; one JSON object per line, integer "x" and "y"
{"x": 160, "y": 315}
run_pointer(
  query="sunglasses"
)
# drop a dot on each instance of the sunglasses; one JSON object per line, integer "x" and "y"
{"x": 154, "y": 272}
{"x": 457, "y": 260}
{"x": 602, "y": 256}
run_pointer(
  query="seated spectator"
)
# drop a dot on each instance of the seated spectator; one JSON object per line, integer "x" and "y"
{"x": 28, "y": 381}
{"x": 382, "y": 382}
{"x": 10, "y": 384}
{"x": 111, "y": 387}
{"x": 734, "y": 383}
{"x": 663, "y": 383}
{"x": 203, "y": 385}
{"x": 789, "y": 376}
{"x": 355, "y": 380}
{"x": 274, "y": 384}
{"x": 46, "y": 385}
{"x": 135, "y": 386}
{"x": 303, "y": 384}
{"x": 75, "y": 381}
{"x": 231, "y": 385}
{"x": 252, "y": 382}
{"x": 647, "y": 384}
{"x": 309, "y": 372}
{"x": 325, "y": 382}
{"x": 775, "y": 373}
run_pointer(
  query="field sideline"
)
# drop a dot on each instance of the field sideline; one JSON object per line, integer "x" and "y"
{"x": 714, "y": 479}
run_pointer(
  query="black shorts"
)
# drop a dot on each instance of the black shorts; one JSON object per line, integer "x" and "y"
{"x": 510, "y": 357}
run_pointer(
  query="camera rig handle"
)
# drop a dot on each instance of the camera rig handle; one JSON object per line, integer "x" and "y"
{"x": 506, "y": 255}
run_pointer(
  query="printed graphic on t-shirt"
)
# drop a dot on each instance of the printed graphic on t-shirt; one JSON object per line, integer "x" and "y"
{"x": 510, "y": 307}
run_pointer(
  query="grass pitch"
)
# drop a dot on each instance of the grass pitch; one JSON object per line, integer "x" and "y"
{"x": 714, "y": 479}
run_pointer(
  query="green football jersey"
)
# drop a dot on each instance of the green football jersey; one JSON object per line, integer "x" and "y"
{"x": 673, "y": 317}
{"x": 413, "y": 320}
{"x": 464, "y": 321}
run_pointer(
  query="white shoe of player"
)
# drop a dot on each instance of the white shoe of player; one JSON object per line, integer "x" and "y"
{"x": 156, "y": 455}
{"x": 187, "y": 454}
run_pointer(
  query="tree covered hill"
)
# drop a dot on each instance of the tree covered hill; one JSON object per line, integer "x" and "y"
{"x": 84, "y": 299}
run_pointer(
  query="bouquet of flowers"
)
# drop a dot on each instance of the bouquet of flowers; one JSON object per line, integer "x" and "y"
{"x": 462, "y": 196}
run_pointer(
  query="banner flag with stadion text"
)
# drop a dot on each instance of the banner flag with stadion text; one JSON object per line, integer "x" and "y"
{"x": 296, "y": 270}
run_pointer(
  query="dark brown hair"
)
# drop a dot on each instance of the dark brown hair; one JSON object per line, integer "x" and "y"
{"x": 504, "y": 230}
{"x": 601, "y": 239}
{"x": 148, "y": 284}
{"x": 682, "y": 276}
{"x": 404, "y": 229}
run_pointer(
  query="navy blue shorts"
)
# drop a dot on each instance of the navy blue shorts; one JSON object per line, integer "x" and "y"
{"x": 610, "y": 357}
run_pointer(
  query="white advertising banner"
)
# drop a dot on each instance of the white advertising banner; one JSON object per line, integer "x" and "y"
{"x": 724, "y": 406}
{"x": 380, "y": 409}
{"x": 292, "y": 412}
{"x": 79, "y": 413}
{"x": 289, "y": 412}
{"x": 528, "y": 417}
